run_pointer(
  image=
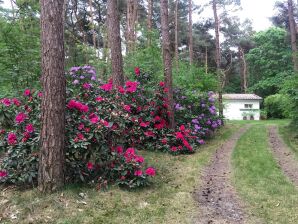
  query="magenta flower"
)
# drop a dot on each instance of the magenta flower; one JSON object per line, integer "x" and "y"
{"x": 86, "y": 85}
{"x": 138, "y": 173}
{"x": 150, "y": 171}
{"x": 94, "y": 119}
{"x": 16, "y": 102}
{"x": 90, "y": 166}
{"x": 12, "y": 139}
{"x": 127, "y": 108}
{"x": 29, "y": 128}
{"x": 3, "y": 174}
{"x": 6, "y": 102}
{"x": 27, "y": 92}
{"x": 20, "y": 118}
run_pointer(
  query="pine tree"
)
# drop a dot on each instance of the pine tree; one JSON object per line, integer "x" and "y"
{"x": 167, "y": 60}
{"x": 52, "y": 155}
{"x": 115, "y": 43}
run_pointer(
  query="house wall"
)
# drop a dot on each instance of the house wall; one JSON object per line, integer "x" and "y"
{"x": 234, "y": 109}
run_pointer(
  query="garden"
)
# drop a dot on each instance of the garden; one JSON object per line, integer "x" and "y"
{"x": 117, "y": 112}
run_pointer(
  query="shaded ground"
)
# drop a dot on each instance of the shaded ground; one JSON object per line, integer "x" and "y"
{"x": 284, "y": 156}
{"x": 217, "y": 198}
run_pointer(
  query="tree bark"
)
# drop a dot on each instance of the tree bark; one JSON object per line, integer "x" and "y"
{"x": 132, "y": 7}
{"x": 52, "y": 155}
{"x": 149, "y": 22}
{"x": 115, "y": 43}
{"x": 243, "y": 69}
{"x": 176, "y": 35}
{"x": 167, "y": 62}
{"x": 206, "y": 59}
{"x": 217, "y": 58}
{"x": 190, "y": 33}
{"x": 92, "y": 24}
{"x": 293, "y": 35}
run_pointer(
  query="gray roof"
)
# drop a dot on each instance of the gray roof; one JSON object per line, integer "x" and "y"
{"x": 241, "y": 97}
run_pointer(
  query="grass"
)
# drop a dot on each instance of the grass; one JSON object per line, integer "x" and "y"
{"x": 290, "y": 137}
{"x": 282, "y": 122}
{"x": 168, "y": 200}
{"x": 259, "y": 180}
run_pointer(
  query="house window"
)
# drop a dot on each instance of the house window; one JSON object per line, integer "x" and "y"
{"x": 248, "y": 106}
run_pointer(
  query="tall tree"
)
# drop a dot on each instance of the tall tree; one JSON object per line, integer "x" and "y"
{"x": 176, "y": 35}
{"x": 52, "y": 155}
{"x": 217, "y": 57}
{"x": 92, "y": 24}
{"x": 115, "y": 43}
{"x": 190, "y": 32}
{"x": 149, "y": 21}
{"x": 132, "y": 7}
{"x": 167, "y": 62}
{"x": 293, "y": 35}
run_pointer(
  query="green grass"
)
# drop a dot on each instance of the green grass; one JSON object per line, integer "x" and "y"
{"x": 168, "y": 200}
{"x": 261, "y": 122}
{"x": 290, "y": 137}
{"x": 259, "y": 180}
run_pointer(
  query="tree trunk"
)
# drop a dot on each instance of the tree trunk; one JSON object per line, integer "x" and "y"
{"x": 92, "y": 24}
{"x": 115, "y": 43}
{"x": 190, "y": 33}
{"x": 206, "y": 59}
{"x": 176, "y": 35}
{"x": 243, "y": 69}
{"x": 167, "y": 62}
{"x": 293, "y": 35}
{"x": 217, "y": 58}
{"x": 52, "y": 136}
{"x": 149, "y": 22}
{"x": 132, "y": 7}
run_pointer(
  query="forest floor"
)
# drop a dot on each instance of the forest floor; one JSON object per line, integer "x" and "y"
{"x": 235, "y": 178}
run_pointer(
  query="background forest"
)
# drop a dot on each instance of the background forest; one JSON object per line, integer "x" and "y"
{"x": 258, "y": 62}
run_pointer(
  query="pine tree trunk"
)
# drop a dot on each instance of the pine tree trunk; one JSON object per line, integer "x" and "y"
{"x": 206, "y": 59}
{"x": 190, "y": 33}
{"x": 217, "y": 58}
{"x": 92, "y": 24}
{"x": 243, "y": 69}
{"x": 293, "y": 35}
{"x": 52, "y": 155}
{"x": 176, "y": 35}
{"x": 149, "y": 22}
{"x": 167, "y": 60}
{"x": 115, "y": 43}
{"x": 132, "y": 6}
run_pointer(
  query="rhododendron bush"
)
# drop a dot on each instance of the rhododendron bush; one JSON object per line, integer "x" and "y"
{"x": 105, "y": 127}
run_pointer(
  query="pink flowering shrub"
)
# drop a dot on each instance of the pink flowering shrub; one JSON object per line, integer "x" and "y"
{"x": 104, "y": 128}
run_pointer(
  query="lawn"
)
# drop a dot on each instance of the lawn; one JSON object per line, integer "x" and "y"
{"x": 168, "y": 200}
{"x": 260, "y": 181}
{"x": 290, "y": 136}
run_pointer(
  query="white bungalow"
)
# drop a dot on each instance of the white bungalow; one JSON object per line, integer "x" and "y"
{"x": 241, "y": 106}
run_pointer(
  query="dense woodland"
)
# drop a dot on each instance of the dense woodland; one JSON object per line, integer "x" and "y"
{"x": 155, "y": 40}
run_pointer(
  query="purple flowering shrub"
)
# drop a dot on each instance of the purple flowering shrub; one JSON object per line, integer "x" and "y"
{"x": 104, "y": 126}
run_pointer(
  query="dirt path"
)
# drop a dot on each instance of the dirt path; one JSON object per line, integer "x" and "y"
{"x": 217, "y": 199}
{"x": 284, "y": 156}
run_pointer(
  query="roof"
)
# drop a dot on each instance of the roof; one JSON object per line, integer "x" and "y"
{"x": 241, "y": 97}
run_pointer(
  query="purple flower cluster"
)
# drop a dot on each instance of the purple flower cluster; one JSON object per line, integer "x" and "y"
{"x": 83, "y": 73}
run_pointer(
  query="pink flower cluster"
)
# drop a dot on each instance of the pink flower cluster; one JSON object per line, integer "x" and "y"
{"x": 20, "y": 118}
{"x": 8, "y": 102}
{"x": 12, "y": 138}
{"x": 73, "y": 104}
{"x": 3, "y": 174}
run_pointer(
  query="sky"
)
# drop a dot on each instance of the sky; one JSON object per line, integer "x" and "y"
{"x": 257, "y": 11}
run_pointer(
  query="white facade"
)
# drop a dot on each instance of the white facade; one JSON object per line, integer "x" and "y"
{"x": 241, "y": 108}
